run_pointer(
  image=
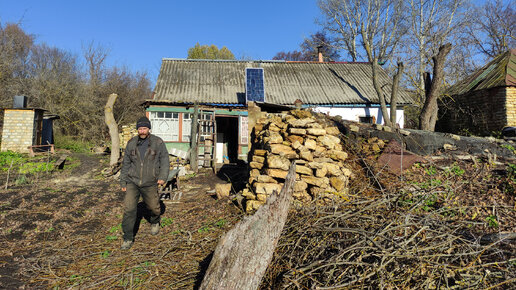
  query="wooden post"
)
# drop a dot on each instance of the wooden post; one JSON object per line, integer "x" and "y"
{"x": 243, "y": 254}
{"x": 194, "y": 148}
{"x": 113, "y": 129}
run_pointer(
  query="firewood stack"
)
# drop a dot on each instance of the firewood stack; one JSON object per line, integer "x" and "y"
{"x": 316, "y": 148}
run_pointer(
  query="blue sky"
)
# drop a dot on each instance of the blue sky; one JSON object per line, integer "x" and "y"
{"x": 138, "y": 34}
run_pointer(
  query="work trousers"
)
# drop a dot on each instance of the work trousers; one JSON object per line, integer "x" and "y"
{"x": 132, "y": 196}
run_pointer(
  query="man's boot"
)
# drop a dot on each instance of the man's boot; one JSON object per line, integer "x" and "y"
{"x": 154, "y": 229}
{"x": 126, "y": 245}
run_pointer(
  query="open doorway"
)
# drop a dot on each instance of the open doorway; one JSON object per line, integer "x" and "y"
{"x": 227, "y": 139}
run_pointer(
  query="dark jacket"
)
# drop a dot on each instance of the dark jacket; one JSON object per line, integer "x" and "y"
{"x": 148, "y": 169}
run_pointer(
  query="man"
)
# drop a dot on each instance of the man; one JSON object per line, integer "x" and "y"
{"x": 145, "y": 165}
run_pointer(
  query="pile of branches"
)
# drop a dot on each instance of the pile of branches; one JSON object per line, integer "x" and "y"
{"x": 376, "y": 243}
{"x": 437, "y": 226}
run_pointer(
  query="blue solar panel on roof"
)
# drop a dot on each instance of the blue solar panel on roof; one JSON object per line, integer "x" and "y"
{"x": 254, "y": 85}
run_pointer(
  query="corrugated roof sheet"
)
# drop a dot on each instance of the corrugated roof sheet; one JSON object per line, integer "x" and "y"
{"x": 208, "y": 81}
{"x": 500, "y": 72}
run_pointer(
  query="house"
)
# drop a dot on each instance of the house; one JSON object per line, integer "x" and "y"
{"x": 484, "y": 102}
{"x": 25, "y": 130}
{"x": 336, "y": 88}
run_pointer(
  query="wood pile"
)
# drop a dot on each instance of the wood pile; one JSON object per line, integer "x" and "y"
{"x": 313, "y": 144}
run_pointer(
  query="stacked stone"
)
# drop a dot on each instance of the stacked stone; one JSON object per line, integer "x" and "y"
{"x": 128, "y": 132}
{"x": 315, "y": 147}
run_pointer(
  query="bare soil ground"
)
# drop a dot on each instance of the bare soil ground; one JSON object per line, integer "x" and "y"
{"x": 63, "y": 230}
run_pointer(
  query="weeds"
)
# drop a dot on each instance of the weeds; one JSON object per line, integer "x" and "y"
{"x": 105, "y": 254}
{"x": 492, "y": 221}
{"x": 166, "y": 221}
{"x": 210, "y": 227}
{"x": 111, "y": 238}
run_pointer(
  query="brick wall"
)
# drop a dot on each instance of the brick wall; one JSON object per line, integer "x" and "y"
{"x": 18, "y": 130}
{"x": 480, "y": 113}
{"x": 510, "y": 93}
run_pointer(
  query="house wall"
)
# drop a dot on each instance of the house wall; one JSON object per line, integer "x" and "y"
{"x": 479, "y": 113}
{"x": 18, "y": 130}
{"x": 184, "y": 145}
{"x": 354, "y": 113}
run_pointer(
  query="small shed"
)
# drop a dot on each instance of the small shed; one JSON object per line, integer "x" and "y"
{"x": 484, "y": 102}
{"x": 26, "y": 127}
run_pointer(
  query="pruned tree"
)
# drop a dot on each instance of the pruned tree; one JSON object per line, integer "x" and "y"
{"x": 113, "y": 129}
{"x": 377, "y": 26}
{"x": 209, "y": 52}
{"x": 428, "y": 115}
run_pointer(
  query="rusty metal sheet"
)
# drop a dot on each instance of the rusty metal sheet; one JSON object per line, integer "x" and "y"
{"x": 396, "y": 159}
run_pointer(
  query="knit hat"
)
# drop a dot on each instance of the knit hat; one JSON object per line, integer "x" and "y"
{"x": 143, "y": 122}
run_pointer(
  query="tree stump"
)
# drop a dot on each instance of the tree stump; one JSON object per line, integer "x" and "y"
{"x": 243, "y": 254}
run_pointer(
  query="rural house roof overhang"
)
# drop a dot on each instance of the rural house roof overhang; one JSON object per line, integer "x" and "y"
{"x": 500, "y": 72}
{"x": 223, "y": 82}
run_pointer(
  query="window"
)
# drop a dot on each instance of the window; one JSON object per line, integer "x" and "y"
{"x": 244, "y": 131}
{"x": 366, "y": 119}
{"x": 165, "y": 125}
{"x": 187, "y": 127}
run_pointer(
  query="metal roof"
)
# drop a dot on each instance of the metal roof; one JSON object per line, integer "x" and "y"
{"x": 500, "y": 72}
{"x": 212, "y": 81}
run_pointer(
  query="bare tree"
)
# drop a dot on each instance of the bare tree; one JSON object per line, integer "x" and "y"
{"x": 493, "y": 29}
{"x": 15, "y": 46}
{"x": 376, "y": 25}
{"x": 432, "y": 23}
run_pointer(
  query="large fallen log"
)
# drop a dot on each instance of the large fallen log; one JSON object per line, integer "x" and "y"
{"x": 243, "y": 254}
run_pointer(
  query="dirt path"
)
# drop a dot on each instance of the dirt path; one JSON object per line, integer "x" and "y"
{"x": 64, "y": 230}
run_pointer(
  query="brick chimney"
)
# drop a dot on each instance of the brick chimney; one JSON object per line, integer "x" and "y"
{"x": 319, "y": 48}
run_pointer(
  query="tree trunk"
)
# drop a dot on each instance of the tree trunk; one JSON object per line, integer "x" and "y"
{"x": 243, "y": 254}
{"x": 394, "y": 92}
{"x": 194, "y": 147}
{"x": 428, "y": 115}
{"x": 379, "y": 92}
{"x": 113, "y": 129}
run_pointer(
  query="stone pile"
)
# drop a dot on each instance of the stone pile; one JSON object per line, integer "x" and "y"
{"x": 127, "y": 132}
{"x": 373, "y": 145}
{"x": 315, "y": 147}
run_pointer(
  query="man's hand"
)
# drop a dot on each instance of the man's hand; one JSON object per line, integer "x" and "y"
{"x": 161, "y": 182}
{"x": 124, "y": 188}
